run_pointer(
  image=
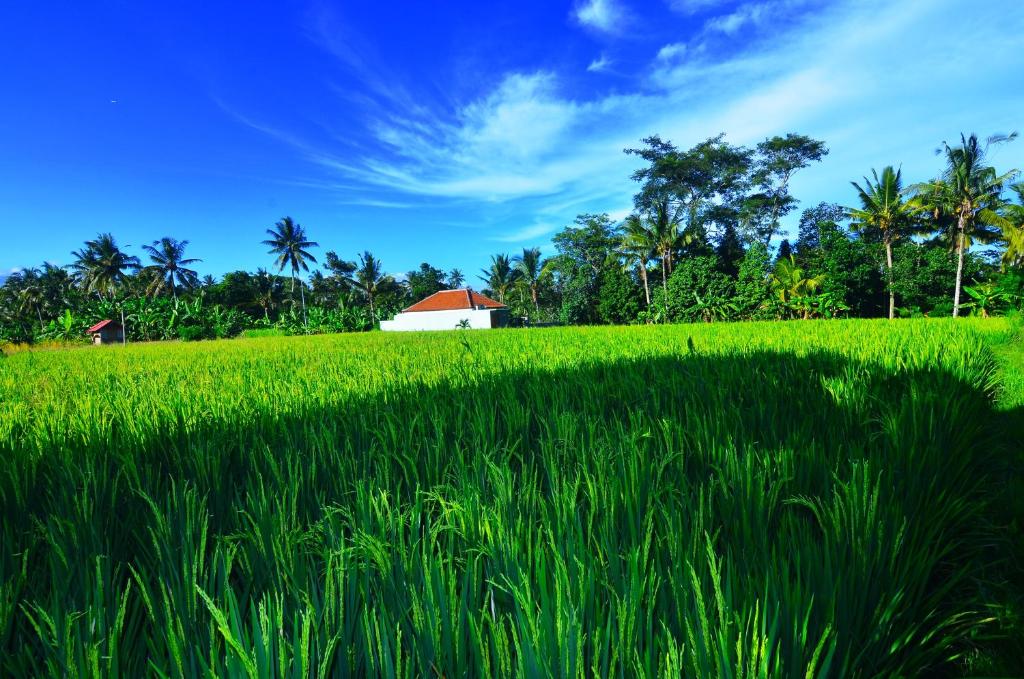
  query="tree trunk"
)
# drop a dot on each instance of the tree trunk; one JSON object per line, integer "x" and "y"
{"x": 39, "y": 313}
{"x": 533, "y": 294}
{"x": 373, "y": 314}
{"x": 892, "y": 295}
{"x": 302, "y": 293}
{"x": 959, "y": 266}
{"x": 647, "y": 289}
{"x": 664, "y": 288}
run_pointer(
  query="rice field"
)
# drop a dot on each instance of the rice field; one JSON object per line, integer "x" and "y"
{"x": 802, "y": 499}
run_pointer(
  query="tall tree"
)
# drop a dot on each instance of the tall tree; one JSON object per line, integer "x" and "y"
{"x": 730, "y": 251}
{"x": 31, "y": 295}
{"x": 425, "y": 281}
{"x": 969, "y": 193}
{"x": 268, "y": 289}
{"x": 101, "y": 266}
{"x": 500, "y": 276}
{"x": 1012, "y": 225}
{"x": 531, "y": 272}
{"x": 58, "y": 289}
{"x": 638, "y": 246}
{"x": 885, "y": 215}
{"x": 370, "y": 279}
{"x": 288, "y": 241}
{"x": 456, "y": 279}
{"x": 777, "y": 160}
{"x": 785, "y": 250}
{"x": 813, "y": 221}
{"x": 170, "y": 267}
{"x": 584, "y": 250}
{"x": 701, "y": 184}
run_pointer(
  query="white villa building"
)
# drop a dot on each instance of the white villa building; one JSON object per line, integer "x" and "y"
{"x": 446, "y": 310}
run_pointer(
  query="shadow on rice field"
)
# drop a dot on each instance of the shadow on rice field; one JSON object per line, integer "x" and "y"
{"x": 698, "y": 514}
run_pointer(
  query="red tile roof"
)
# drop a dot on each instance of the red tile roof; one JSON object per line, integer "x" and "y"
{"x": 102, "y": 324}
{"x": 448, "y": 300}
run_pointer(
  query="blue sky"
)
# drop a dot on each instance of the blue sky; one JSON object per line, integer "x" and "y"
{"x": 445, "y": 132}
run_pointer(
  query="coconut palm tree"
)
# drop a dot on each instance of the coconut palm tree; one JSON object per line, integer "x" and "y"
{"x": 370, "y": 279}
{"x": 501, "y": 275}
{"x": 884, "y": 213}
{"x": 288, "y": 241}
{"x": 1012, "y": 225}
{"x": 531, "y": 271}
{"x": 57, "y": 289}
{"x": 267, "y": 292}
{"x": 969, "y": 194}
{"x": 639, "y": 245}
{"x": 790, "y": 281}
{"x": 30, "y": 294}
{"x": 101, "y": 266}
{"x": 169, "y": 267}
{"x": 663, "y": 222}
{"x": 455, "y": 279}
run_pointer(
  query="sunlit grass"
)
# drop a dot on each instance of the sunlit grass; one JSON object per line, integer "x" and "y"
{"x": 771, "y": 499}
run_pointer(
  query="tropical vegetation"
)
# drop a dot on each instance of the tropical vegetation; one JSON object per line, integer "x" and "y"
{"x": 703, "y": 243}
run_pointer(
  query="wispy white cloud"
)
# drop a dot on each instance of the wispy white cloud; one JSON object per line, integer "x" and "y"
{"x": 526, "y": 146}
{"x": 600, "y": 64}
{"x": 527, "y": 233}
{"x": 370, "y": 202}
{"x": 607, "y": 16}
{"x": 671, "y": 52}
{"x": 753, "y": 14}
{"x": 694, "y": 6}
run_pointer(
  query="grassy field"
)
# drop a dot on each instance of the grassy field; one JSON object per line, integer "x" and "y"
{"x": 801, "y": 499}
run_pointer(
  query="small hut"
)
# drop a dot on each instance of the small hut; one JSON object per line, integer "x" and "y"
{"x": 107, "y": 332}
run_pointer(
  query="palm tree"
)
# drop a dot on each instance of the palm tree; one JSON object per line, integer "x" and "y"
{"x": 790, "y": 281}
{"x": 30, "y": 295}
{"x": 531, "y": 271}
{"x": 639, "y": 245}
{"x": 500, "y": 276}
{"x": 884, "y": 213}
{"x": 969, "y": 193}
{"x": 268, "y": 288}
{"x": 101, "y": 266}
{"x": 57, "y": 287}
{"x": 455, "y": 279}
{"x": 370, "y": 278}
{"x": 663, "y": 223}
{"x": 169, "y": 267}
{"x": 1012, "y": 224}
{"x": 288, "y": 241}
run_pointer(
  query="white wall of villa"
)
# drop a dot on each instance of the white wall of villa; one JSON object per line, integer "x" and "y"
{"x": 447, "y": 320}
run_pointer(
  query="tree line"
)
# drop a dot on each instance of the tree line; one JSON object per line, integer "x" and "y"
{"x": 697, "y": 247}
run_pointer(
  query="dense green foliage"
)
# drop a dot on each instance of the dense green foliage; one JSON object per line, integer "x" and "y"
{"x": 698, "y": 246}
{"x": 820, "y": 499}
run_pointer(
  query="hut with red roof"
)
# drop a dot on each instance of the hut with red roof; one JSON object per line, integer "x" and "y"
{"x": 107, "y": 332}
{"x": 448, "y": 310}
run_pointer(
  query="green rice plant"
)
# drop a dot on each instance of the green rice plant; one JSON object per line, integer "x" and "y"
{"x": 819, "y": 499}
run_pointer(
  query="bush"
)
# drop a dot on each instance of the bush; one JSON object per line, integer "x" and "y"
{"x": 191, "y": 333}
